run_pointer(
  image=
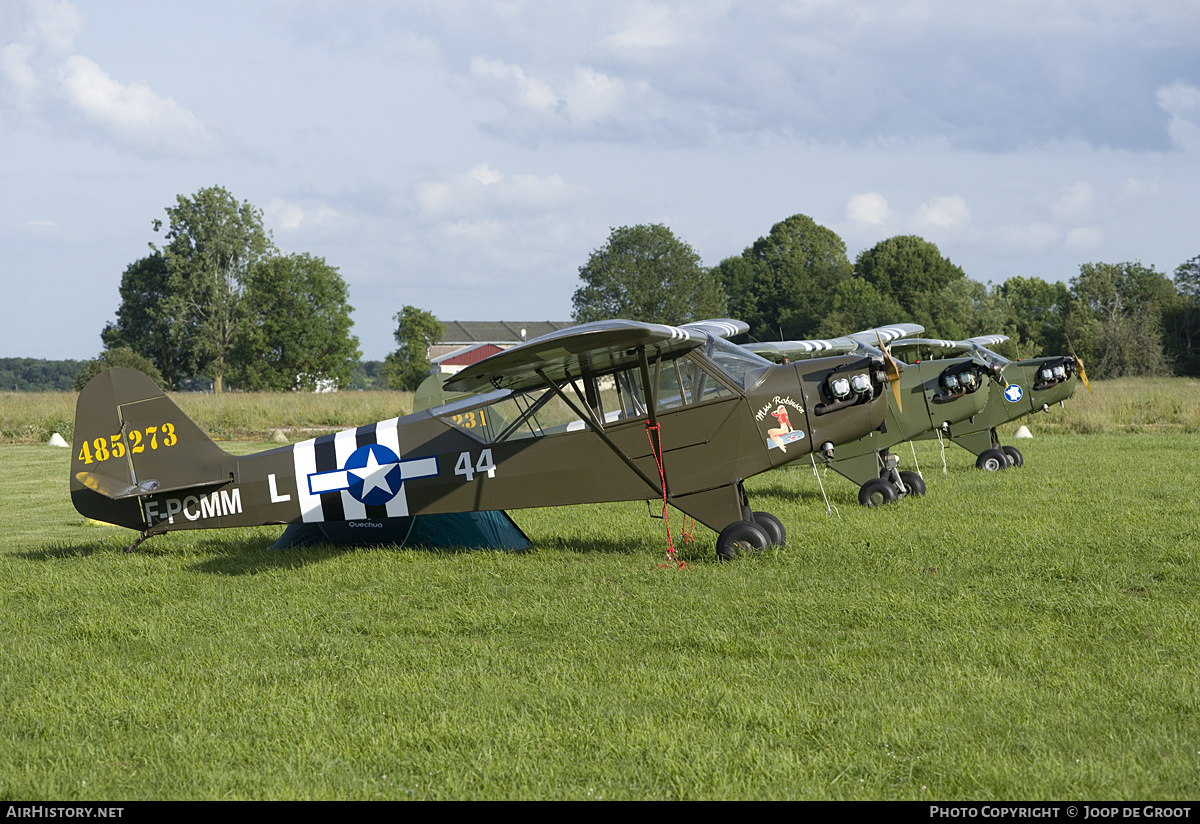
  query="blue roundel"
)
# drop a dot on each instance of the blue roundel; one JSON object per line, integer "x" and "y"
{"x": 1013, "y": 393}
{"x": 373, "y": 474}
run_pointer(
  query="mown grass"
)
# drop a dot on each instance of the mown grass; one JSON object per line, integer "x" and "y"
{"x": 1029, "y": 634}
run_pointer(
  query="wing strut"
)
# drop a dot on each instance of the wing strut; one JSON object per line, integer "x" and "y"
{"x": 658, "y": 490}
{"x": 650, "y": 392}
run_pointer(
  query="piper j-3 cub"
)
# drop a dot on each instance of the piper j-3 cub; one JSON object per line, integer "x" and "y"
{"x": 1018, "y": 388}
{"x": 928, "y": 396}
{"x": 607, "y": 411}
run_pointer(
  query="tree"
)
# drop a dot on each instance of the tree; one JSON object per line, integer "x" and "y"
{"x": 1115, "y": 318}
{"x": 1181, "y": 320}
{"x": 1037, "y": 311}
{"x": 416, "y": 331}
{"x": 645, "y": 273}
{"x": 143, "y": 325}
{"x": 213, "y": 243}
{"x": 965, "y": 308}
{"x": 118, "y": 356}
{"x": 911, "y": 271}
{"x": 794, "y": 272}
{"x": 856, "y": 305}
{"x": 295, "y": 333}
{"x": 36, "y": 375}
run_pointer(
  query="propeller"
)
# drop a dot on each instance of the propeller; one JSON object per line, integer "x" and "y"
{"x": 998, "y": 371}
{"x": 893, "y": 371}
{"x": 1082, "y": 374}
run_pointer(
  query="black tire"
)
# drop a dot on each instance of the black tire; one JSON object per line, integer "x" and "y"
{"x": 913, "y": 482}
{"x": 877, "y": 492}
{"x": 991, "y": 460}
{"x": 1017, "y": 458}
{"x": 740, "y": 537}
{"x": 773, "y": 526}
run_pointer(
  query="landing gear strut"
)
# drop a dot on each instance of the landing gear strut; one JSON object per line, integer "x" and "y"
{"x": 891, "y": 485}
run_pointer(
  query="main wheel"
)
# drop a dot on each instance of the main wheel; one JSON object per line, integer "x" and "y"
{"x": 740, "y": 537}
{"x": 913, "y": 482}
{"x": 877, "y": 492}
{"x": 1017, "y": 458}
{"x": 991, "y": 460}
{"x": 773, "y": 527}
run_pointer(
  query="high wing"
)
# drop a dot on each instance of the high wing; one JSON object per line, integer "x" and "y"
{"x": 588, "y": 349}
{"x": 865, "y": 342}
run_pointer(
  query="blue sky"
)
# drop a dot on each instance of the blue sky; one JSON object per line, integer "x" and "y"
{"x": 467, "y": 157}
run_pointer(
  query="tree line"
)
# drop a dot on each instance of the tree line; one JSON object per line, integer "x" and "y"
{"x": 218, "y": 301}
{"x": 797, "y": 282}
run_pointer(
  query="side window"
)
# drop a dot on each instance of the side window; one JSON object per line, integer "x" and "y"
{"x": 703, "y": 386}
{"x": 673, "y": 388}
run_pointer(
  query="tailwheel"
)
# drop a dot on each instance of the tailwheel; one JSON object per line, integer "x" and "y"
{"x": 741, "y": 537}
{"x": 877, "y": 492}
{"x": 1015, "y": 455}
{"x": 773, "y": 527}
{"x": 991, "y": 460}
{"x": 912, "y": 482}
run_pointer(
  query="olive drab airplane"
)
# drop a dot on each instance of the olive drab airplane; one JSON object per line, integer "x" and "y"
{"x": 607, "y": 411}
{"x": 1019, "y": 388}
{"x": 928, "y": 396}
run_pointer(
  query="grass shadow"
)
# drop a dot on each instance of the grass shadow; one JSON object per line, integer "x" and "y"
{"x": 251, "y": 556}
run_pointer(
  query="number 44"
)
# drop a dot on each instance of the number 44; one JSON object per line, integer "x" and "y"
{"x": 484, "y": 464}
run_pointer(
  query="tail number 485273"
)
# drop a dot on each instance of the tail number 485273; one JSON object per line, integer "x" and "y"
{"x": 470, "y": 468}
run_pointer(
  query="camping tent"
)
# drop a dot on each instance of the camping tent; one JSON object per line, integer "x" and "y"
{"x": 470, "y": 530}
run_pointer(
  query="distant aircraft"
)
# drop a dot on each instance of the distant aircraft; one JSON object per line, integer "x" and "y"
{"x": 1019, "y": 388}
{"x": 608, "y": 411}
{"x": 929, "y": 396}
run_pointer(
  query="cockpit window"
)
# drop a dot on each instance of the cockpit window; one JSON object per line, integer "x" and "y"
{"x": 613, "y": 397}
{"x": 989, "y": 355}
{"x": 745, "y": 368}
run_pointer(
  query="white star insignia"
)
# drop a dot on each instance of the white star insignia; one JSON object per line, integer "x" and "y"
{"x": 373, "y": 475}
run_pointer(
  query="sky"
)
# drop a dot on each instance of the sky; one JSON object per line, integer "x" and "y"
{"x": 467, "y": 157}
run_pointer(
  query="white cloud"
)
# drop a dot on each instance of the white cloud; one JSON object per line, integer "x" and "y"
{"x": 585, "y": 101}
{"x": 1084, "y": 238}
{"x": 593, "y": 96}
{"x": 39, "y": 71}
{"x": 1182, "y": 102}
{"x": 869, "y": 207}
{"x": 133, "y": 115}
{"x": 18, "y": 75}
{"x": 515, "y": 87}
{"x": 53, "y": 26}
{"x": 484, "y": 190}
{"x": 1034, "y": 238}
{"x": 1135, "y": 189}
{"x": 651, "y": 26}
{"x": 950, "y": 212}
{"x": 1073, "y": 203}
{"x": 287, "y": 216}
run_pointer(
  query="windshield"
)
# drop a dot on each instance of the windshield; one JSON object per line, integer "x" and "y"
{"x": 989, "y": 355}
{"x": 744, "y": 367}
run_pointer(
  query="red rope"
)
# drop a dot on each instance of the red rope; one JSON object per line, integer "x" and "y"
{"x": 657, "y": 452}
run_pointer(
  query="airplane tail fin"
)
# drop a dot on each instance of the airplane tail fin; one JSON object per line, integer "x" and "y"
{"x": 131, "y": 441}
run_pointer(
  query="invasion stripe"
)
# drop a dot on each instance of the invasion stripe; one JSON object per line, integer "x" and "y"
{"x": 327, "y": 461}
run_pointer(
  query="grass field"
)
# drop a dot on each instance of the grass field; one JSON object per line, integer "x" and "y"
{"x": 1031, "y": 634}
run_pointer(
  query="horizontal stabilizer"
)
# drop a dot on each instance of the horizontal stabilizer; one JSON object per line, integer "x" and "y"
{"x": 119, "y": 490}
